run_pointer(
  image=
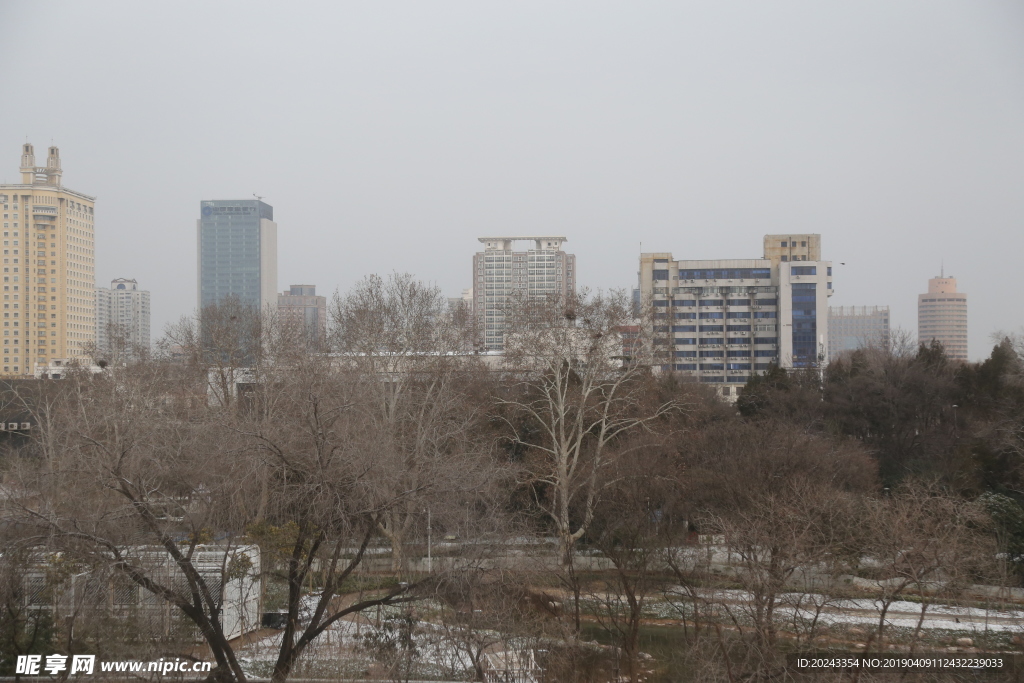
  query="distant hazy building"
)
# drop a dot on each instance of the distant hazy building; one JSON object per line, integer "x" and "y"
{"x": 122, "y": 318}
{"x": 300, "y": 306}
{"x": 465, "y": 301}
{"x": 722, "y": 321}
{"x": 49, "y": 269}
{"x": 499, "y": 272}
{"x": 854, "y": 327}
{"x": 237, "y": 248}
{"x": 942, "y": 315}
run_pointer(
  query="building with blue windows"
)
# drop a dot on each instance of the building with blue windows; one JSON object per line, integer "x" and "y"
{"x": 722, "y": 321}
{"x": 237, "y": 247}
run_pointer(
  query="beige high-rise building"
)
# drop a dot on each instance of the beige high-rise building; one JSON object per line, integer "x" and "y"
{"x": 942, "y": 315}
{"x": 786, "y": 248}
{"x": 49, "y": 269}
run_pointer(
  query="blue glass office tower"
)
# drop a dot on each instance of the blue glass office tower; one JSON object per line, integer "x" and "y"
{"x": 237, "y": 240}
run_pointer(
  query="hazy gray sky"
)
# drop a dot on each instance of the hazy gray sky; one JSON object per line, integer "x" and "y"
{"x": 389, "y": 136}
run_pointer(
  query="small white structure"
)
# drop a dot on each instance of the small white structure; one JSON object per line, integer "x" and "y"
{"x": 511, "y": 666}
{"x": 57, "y": 368}
{"x": 230, "y": 573}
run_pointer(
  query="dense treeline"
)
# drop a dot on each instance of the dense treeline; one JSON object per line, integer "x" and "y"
{"x": 498, "y": 512}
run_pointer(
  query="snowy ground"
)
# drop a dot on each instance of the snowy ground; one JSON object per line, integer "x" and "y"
{"x": 342, "y": 650}
{"x": 861, "y": 612}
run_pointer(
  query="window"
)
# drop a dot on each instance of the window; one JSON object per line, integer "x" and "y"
{"x": 785, "y": 258}
{"x": 783, "y": 244}
{"x": 803, "y": 244}
{"x": 804, "y": 270}
{"x": 685, "y": 366}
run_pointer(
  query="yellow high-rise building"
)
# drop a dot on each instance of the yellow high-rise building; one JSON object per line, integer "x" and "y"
{"x": 49, "y": 262}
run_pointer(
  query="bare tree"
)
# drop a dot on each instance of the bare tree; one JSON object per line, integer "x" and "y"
{"x": 925, "y": 542}
{"x": 486, "y": 613}
{"x": 636, "y": 520}
{"x": 579, "y": 391}
{"x": 779, "y": 514}
{"x": 576, "y": 395}
{"x": 161, "y": 481}
{"x": 123, "y": 477}
{"x": 409, "y": 351}
{"x": 226, "y": 344}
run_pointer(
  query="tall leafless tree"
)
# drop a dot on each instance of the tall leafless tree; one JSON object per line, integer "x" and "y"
{"x": 419, "y": 380}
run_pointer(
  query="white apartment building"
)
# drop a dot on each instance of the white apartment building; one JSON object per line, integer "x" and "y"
{"x": 499, "y": 272}
{"x": 122, "y": 319}
{"x": 721, "y": 321}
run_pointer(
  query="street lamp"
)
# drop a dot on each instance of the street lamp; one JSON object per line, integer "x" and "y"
{"x": 956, "y": 430}
{"x": 430, "y": 562}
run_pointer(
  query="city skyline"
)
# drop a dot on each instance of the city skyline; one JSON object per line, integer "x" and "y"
{"x": 694, "y": 129}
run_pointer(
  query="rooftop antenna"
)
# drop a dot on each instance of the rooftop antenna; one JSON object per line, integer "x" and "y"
{"x": 258, "y": 197}
{"x": 942, "y": 271}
